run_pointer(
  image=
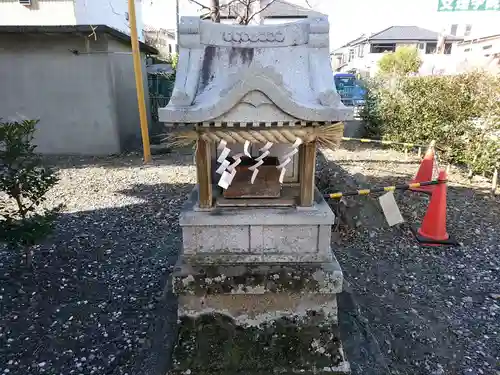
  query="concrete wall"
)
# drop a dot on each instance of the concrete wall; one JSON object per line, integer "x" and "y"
{"x": 70, "y": 94}
{"x": 113, "y": 13}
{"x": 41, "y": 12}
{"x": 125, "y": 96}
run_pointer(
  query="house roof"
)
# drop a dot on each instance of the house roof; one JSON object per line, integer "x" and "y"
{"x": 168, "y": 32}
{"x": 274, "y": 9}
{"x": 481, "y": 39}
{"x": 409, "y": 33}
{"x": 413, "y": 33}
{"x": 76, "y": 29}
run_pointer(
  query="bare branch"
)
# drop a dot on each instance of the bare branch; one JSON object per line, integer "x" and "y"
{"x": 199, "y": 4}
{"x": 308, "y": 4}
{"x": 93, "y": 34}
{"x": 260, "y": 11}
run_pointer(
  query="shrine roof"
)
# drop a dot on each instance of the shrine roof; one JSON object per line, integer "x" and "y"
{"x": 266, "y": 74}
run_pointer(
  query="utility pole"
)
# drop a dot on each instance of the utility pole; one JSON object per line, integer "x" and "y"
{"x": 177, "y": 21}
{"x": 139, "y": 84}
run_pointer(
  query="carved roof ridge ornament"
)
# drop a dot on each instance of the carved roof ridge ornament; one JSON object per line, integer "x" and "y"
{"x": 289, "y": 63}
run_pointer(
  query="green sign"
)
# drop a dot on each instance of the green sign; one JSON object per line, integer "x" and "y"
{"x": 468, "y": 5}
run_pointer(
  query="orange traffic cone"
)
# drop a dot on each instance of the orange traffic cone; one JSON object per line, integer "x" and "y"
{"x": 433, "y": 229}
{"x": 425, "y": 171}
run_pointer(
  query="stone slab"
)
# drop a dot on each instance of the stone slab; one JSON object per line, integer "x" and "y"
{"x": 252, "y": 306}
{"x": 250, "y": 234}
{"x": 213, "y": 343}
{"x": 223, "y": 216}
{"x": 251, "y": 278}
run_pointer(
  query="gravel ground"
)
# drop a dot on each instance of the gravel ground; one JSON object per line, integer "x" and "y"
{"x": 95, "y": 303}
{"x": 430, "y": 310}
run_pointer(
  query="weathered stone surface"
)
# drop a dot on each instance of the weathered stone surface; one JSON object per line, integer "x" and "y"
{"x": 253, "y": 305}
{"x": 220, "y": 64}
{"x": 251, "y": 278}
{"x": 218, "y": 344}
{"x": 269, "y": 235}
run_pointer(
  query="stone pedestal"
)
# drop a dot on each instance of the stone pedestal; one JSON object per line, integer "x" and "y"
{"x": 270, "y": 235}
{"x": 258, "y": 319}
{"x": 257, "y": 292}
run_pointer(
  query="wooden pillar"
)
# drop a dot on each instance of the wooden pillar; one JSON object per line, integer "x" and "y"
{"x": 307, "y": 165}
{"x": 204, "y": 173}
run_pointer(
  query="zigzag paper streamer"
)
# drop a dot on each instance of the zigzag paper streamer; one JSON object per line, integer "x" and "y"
{"x": 226, "y": 177}
{"x": 260, "y": 160}
{"x": 287, "y": 158}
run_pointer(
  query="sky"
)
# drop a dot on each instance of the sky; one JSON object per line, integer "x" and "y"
{"x": 351, "y": 18}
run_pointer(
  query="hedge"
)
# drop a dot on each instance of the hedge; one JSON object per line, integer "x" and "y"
{"x": 461, "y": 112}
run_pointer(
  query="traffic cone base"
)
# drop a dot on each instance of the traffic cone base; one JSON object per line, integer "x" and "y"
{"x": 426, "y": 241}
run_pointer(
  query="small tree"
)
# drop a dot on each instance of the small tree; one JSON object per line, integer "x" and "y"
{"x": 405, "y": 60}
{"x": 24, "y": 182}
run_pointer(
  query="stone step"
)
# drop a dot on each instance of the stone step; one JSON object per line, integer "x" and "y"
{"x": 298, "y": 343}
{"x": 252, "y": 278}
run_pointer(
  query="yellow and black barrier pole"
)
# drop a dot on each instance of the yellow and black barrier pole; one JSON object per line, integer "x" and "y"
{"x": 383, "y": 189}
{"x": 365, "y": 140}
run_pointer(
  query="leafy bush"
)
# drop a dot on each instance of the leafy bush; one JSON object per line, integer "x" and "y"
{"x": 405, "y": 60}
{"x": 462, "y": 113}
{"x": 24, "y": 182}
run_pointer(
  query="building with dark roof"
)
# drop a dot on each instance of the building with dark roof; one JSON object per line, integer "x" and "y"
{"x": 78, "y": 80}
{"x": 362, "y": 53}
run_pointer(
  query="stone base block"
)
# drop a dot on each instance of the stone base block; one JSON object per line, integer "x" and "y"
{"x": 233, "y": 235}
{"x": 250, "y": 278}
{"x": 258, "y": 319}
{"x": 213, "y": 343}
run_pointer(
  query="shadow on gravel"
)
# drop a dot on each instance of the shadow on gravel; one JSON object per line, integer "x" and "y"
{"x": 410, "y": 309}
{"x": 182, "y": 157}
{"x": 95, "y": 302}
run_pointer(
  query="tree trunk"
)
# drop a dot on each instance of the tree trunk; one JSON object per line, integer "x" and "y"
{"x": 215, "y": 11}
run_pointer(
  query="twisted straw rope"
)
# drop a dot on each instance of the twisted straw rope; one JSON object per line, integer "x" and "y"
{"x": 326, "y": 136}
{"x": 263, "y": 136}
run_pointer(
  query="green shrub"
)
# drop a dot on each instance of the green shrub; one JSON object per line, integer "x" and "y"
{"x": 24, "y": 182}
{"x": 460, "y": 112}
{"x": 405, "y": 60}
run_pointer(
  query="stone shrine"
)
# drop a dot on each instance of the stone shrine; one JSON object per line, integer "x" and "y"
{"x": 256, "y": 278}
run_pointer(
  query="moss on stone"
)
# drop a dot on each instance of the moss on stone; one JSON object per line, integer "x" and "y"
{"x": 256, "y": 279}
{"x": 214, "y": 343}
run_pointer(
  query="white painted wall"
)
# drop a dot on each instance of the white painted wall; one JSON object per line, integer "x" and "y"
{"x": 112, "y": 13}
{"x": 480, "y": 48}
{"x": 44, "y": 12}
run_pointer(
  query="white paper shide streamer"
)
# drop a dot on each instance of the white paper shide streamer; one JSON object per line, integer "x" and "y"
{"x": 287, "y": 158}
{"x": 260, "y": 160}
{"x": 226, "y": 169}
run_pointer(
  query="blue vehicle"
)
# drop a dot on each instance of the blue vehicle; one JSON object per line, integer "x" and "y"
{"x": 350, "y": 89}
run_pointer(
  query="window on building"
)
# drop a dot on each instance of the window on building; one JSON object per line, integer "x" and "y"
{"x": 381, "y": 48}
{"x": 361, "y": 50}
{"x": 430, "y": 48}
{"x": 488, "y": 46}
{"x": 454, "y": 29}
{"x": 467, "y": 49}
{"x": 351, "y": 54}
{"x": 169, "y": 48}
{"x": 447, "y": 48}
{"x": 421, "y": 46}
{"x": 468, "y": 30}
